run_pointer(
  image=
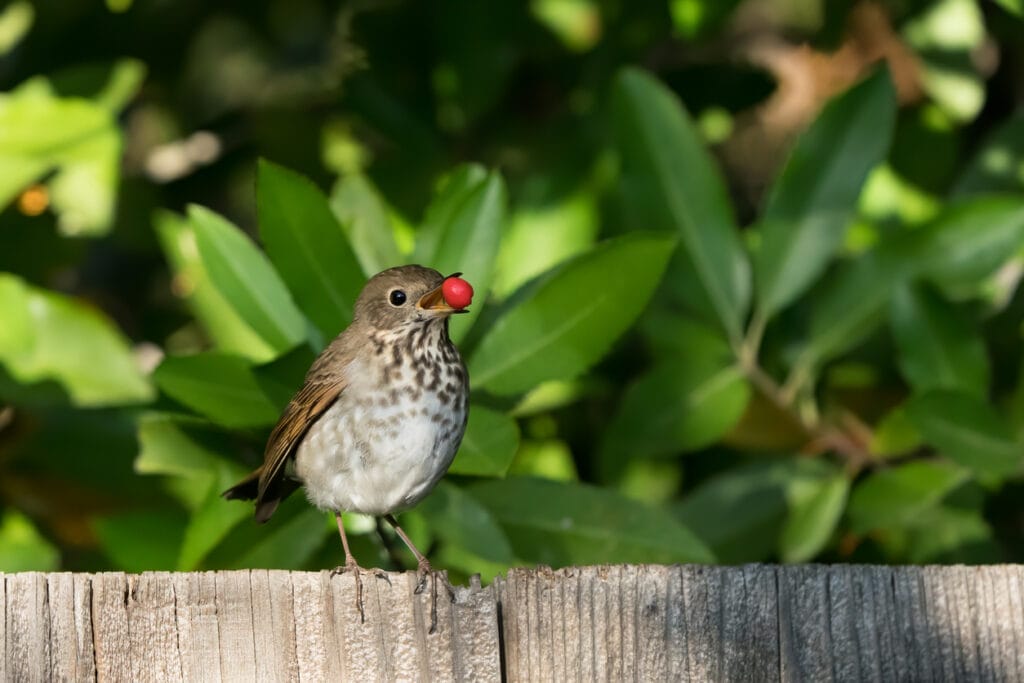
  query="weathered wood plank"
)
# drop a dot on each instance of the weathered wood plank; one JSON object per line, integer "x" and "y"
{"x": 753, "y": 623}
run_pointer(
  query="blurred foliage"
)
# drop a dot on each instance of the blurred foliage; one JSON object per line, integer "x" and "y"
{"x": 747, "y": 273}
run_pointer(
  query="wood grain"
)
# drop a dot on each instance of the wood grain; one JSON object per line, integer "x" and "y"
{"x": 609, "y": 623}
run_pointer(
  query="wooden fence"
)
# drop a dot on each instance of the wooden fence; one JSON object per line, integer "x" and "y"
{"x": 752, "y": 623}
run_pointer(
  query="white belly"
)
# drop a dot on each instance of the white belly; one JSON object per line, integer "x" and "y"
{"x": 362, "y": 456}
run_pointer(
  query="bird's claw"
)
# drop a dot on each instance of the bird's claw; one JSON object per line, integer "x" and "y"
{"x": 351, "y": 566}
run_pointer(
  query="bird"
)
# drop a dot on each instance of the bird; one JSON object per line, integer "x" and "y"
{"x": 380, "y": 414}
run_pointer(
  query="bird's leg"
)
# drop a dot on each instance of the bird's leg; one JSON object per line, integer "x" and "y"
{"x": 423, "y": 570}
{"x": 350, "y": 566}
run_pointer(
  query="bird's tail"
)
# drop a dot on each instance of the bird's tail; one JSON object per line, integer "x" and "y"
{"x": 247, "y": 489}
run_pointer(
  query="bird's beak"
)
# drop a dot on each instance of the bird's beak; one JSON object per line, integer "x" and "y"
{"x": 434, "y": 302}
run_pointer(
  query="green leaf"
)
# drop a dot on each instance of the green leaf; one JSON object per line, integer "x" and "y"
{"x": 308, "y": 247}
{"x": 679, "y": 405}
{"x": 970, "y": 241}
{"x": 489, "y": 444}
{"x": 1013, "y": 6}
{"x": 141, "y": 540}
{"x": 895, "y": 496}
{"x": 939, "y": 347}
{"x": 462, "y": 232}
{"x": 967, "y": 430}
{"x": 570, "y": 319}
{"x": 286, "y": 545}
{"x": 165, "y": 448}
{"x": 363, "y": 215}
{"x": 675, "y": 182}
{"x": 561, "y": 524}
{"x": 219, "y": 386}
{"x": 895, "y": 434}
{"x": 740, "y": 513}
{"x": 995, "y": 167}
{"x": 23, "y": 548}
{"x": 49, "y": 336}
{"x": 79, "y": 139}
{"x": 457, "y": 518}
{"x": 212, "y": 520}
{"x": 945, "y": 37}
{"x": 851, "y": 302}
{"x": 815, "y": 197}
{"x": 15, "y": 21}
{"x": 543, "y": 233}
{"x": 225, "y": 327}
{"x": 244, "y": 277}
{"x": 814, "y": 513}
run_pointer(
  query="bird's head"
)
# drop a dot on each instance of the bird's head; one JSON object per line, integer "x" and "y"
{"x": 405, "y": 296}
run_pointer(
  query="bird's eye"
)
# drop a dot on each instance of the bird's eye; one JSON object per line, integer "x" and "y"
{"x": 397, "y": 297}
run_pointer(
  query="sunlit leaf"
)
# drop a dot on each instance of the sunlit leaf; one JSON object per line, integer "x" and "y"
{"x": 968, "y": 430}
{"x": 675, "y": 184}
{"x": 939, "y": 347}
{"x": 226, "y": 328}
{"x": 165, "y": 448}
{"x": 571, "y": 318}
{"x": 816, "y": 195}
{"x": 244, "y": 277}
{"x": 308, "y": 247}
{"x": 75, "y": 137}
{"x": 363, "y": 215}
{"x": 23, "y": 548}
{"x": 895, "y": 496}
{"x": 462, "y": 232}
{"x": 561, "y": 524}
{"x": 50, "y": 336}
{"x": 489, "y": 444}
{"x": 219, "y": 386}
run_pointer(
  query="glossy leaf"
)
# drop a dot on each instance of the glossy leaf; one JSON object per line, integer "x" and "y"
{"x": 561, "y": 524}
{"x": 815, "y": 197}
{"x": 244, "y": 277}
{"x": 939, "y": 347}
{"x": 814, "y": 513}
{"x": 220, "y": 321}
{"x": 308, "y": 247}
{"x": 489, "y": 444}
{"x": 219, "y": 386}
{"x": 363, "y": 215}
{"x": 50, "y": 336}
{"x": 895, "y": 496}
{"x": 462, "y": 232}
{"x": 571, "y": 318}
{"x": 968, "y": 430}
{"x": 679, "y": 189}
{"x": 679, "y": 405}
{"x": 457, "y": 518}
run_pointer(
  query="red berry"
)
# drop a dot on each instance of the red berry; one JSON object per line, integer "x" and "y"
{"x": 457, "y": 292}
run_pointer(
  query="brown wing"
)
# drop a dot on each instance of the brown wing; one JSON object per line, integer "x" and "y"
{"x": 303, "y": 410}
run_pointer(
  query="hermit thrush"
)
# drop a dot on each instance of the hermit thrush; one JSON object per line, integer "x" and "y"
{"x": 381, "y": 413}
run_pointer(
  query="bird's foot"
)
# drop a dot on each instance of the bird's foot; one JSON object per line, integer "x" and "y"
{"x": 423, "y": 571}
{"x": 351, "y": 566}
